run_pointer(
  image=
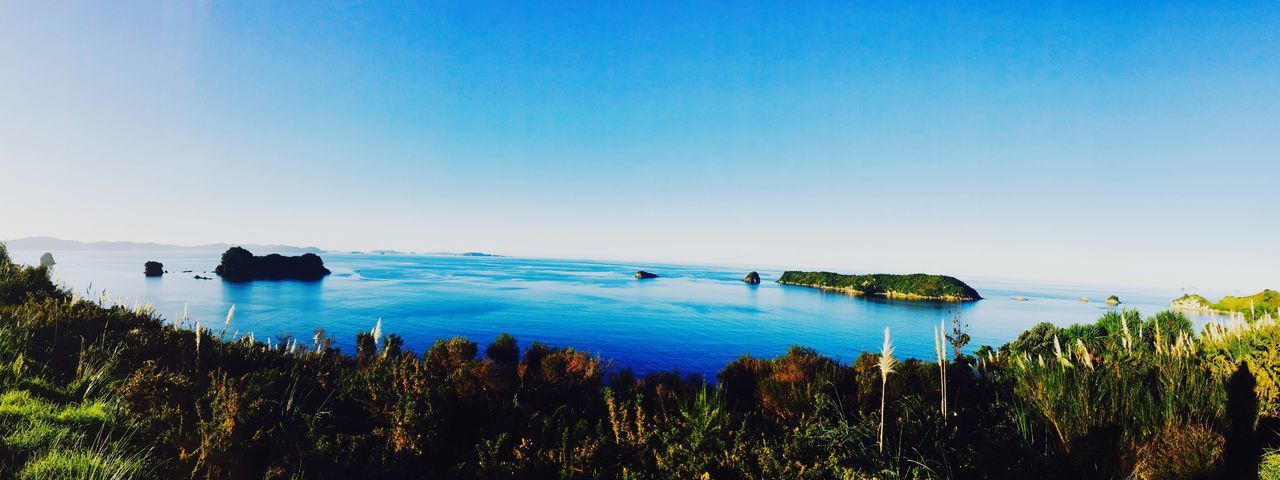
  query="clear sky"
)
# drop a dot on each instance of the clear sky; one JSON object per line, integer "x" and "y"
{"x": 1110, "y": 142}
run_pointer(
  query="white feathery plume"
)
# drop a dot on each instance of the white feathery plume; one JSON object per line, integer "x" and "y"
{"x": 1057, "y": 352}
{"x": 886, "y": 364}
{"x": 1083, "y": 352}
{"x": 231, "y": 313}
{"x": 939, "y": 347}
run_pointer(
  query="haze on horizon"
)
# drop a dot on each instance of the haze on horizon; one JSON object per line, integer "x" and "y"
{"x": 1129, "y": 143}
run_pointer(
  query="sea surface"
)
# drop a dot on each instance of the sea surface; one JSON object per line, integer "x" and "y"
{"x": 694, "y": 319}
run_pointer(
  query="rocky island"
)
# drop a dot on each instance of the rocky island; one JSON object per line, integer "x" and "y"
{"x": 240, "y": 265}
{"x": 641, "y": 275}
{"x": 752, "y": 278}
{"x": 153, "y": 269}
{"x": 1112, "y": 300}
{"x": 917, "y": 286}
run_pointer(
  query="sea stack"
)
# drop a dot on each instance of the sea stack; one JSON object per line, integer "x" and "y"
{"x": 752, "y": 278}
{"x": 46, "y": 260}
{"x": 153, "y": 269}
{"x": 1113, "y": 300}
{"x": 641, "y": 275}
{"x": 240, "y": 265}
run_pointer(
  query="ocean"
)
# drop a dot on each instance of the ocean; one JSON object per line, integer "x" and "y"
{"x": 693, "y": 319}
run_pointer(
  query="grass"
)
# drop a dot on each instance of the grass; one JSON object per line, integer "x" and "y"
{"x": 101, "y": 461}
{"x": 52, "y": 440}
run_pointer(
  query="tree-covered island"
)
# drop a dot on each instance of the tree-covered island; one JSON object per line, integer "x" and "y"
{"x": 916, "y": 286}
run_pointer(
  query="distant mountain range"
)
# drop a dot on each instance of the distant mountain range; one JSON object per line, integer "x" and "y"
{"x": 51, "y": 244}
{"x": 56, "y": 244}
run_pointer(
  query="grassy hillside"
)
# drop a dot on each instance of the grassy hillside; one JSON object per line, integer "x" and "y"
{"x": 96, "y": 388}
{"x": 1268, "y": 300}
{"x": 1262, "y": 303}
{"x": 919, "y": 285}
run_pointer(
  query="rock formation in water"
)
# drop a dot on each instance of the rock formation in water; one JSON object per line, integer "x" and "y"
{"x": 1113, "y": 300}
{"x": 752, "y": 278}
{"x": 46, "y": 260}
{"x": 240, "y": 265}
{"x": 643, "y": 275}
{"x": 153, "y": 269}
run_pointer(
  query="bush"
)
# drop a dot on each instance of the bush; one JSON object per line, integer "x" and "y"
{"x": 1180, "y": 452}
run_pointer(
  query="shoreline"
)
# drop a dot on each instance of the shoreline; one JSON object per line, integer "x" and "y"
{"x": 890, "y": 294}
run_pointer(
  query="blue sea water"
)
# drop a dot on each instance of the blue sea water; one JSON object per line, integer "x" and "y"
{"x": 694, "y": 319}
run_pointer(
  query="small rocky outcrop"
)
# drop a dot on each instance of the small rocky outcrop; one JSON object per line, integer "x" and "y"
{"x": 153, "y": 269}
{"x": 641, "y": 275}
{"x": 46, "y": 260}
{"x": 1113, "y": 300}
{"x": 752, "y": 278}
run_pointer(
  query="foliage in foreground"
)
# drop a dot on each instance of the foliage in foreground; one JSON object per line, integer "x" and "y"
{"x": 101, "y": 389}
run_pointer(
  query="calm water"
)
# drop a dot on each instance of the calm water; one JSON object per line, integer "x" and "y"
{"x": 694, "y": 319}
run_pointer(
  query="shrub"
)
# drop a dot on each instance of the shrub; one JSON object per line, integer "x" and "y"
{"x": 1270, "y": 467}
{"x": 1180, "y": 452}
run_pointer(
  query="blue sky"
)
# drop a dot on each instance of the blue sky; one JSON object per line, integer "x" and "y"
{"x": 1131, "y": 143}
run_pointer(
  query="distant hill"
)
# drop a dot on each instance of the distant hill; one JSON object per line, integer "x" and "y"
{"x": 917, "y": 286}
{"x": 57, "y": 244}
{"x": 1266, "y": 301}
{"x": 449, "y": 254}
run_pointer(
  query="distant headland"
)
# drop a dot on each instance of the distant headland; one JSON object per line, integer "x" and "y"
{"x": 1267, "y": 300}
{"x": 917, "y": 286}
{"x": 240, "y": 265}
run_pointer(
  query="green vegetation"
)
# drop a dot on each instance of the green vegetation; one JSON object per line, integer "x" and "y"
{"x": 1191, "y": 301}
{"x": 914, "y": 286}
{"x": 100, "y": 389}
{"x": 1266, "y": 302}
